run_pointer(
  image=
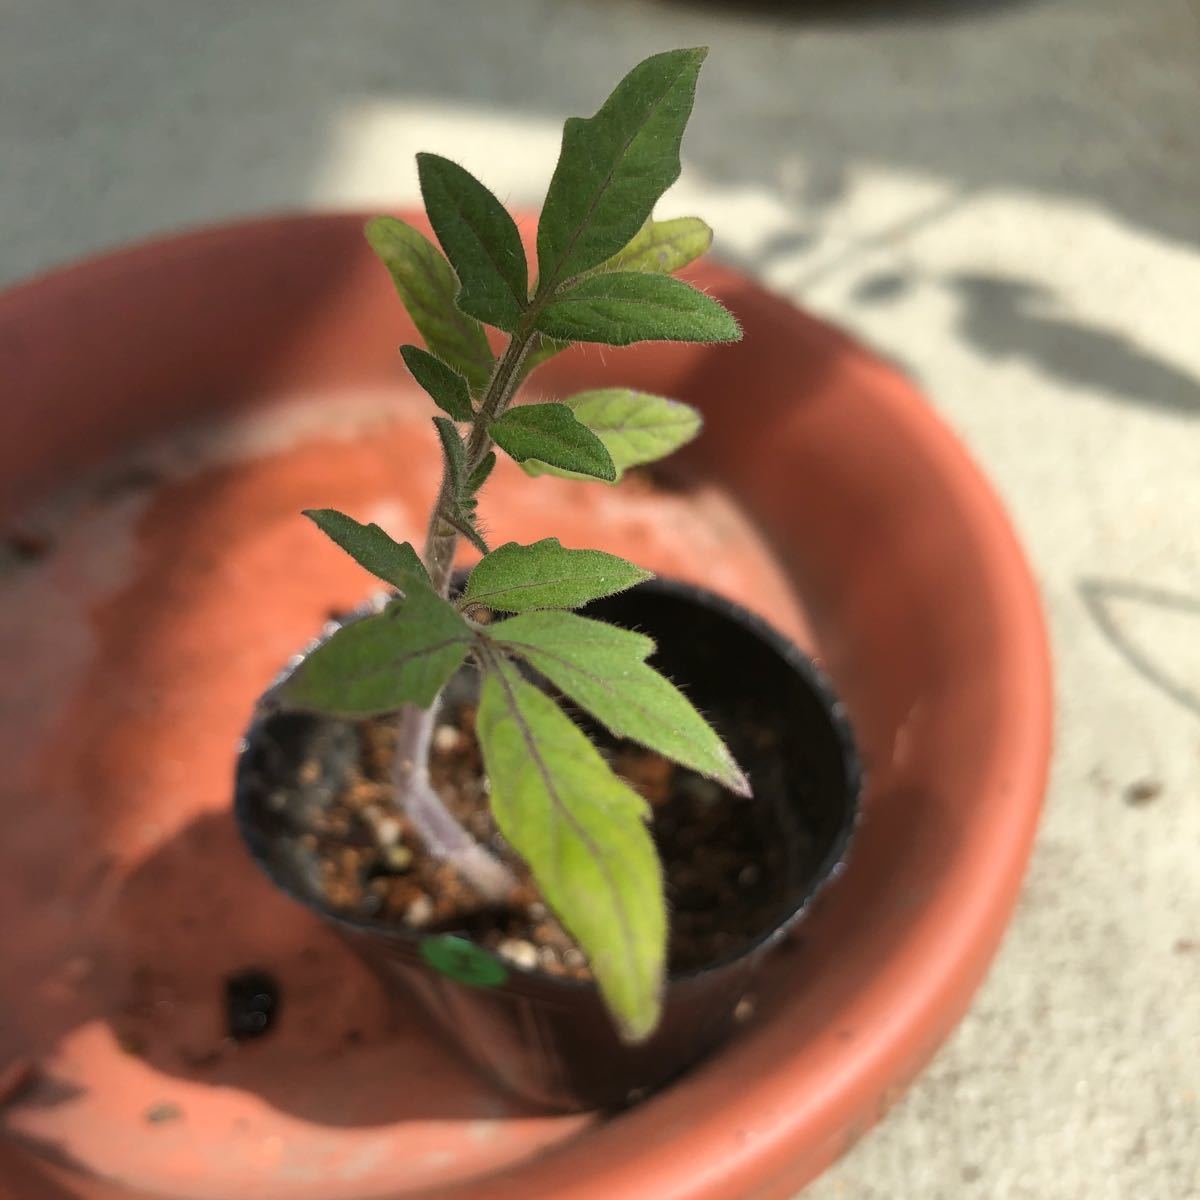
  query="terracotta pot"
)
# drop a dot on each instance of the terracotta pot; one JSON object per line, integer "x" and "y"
{"x": 143, "y": 615}
{"x": 546, "y": 1039}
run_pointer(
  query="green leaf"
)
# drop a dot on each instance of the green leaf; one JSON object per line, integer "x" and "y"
{"x": 455, "y": 451}
{"x": 630, "y": 306}
{"x": 604, "y": 670}
{"x": 551, "y": 434}
{"x": 459, "y": 511}
{"x": 515, "y": 578}
{"x": 480, "y": 239}
{"x": 663, "y": 247}
{"x": 447, "y": 388}
{"x": 427, "y": 286}
{"x": 614, "y": 166}
{"x": 393, "y": 562}
{"x": 480, "y": 475}
{"x": 403, "y": 655}
{"x": 582, "y": 831}
{"x": 635, "y": 427}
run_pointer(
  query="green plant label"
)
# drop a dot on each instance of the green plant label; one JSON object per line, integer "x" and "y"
{"x": 463, "y": 961}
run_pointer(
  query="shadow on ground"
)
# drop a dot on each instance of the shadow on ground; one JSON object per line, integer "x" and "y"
{"x": 984, "y": 94}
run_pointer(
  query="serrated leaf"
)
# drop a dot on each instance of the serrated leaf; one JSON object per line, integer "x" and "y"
{"x": 623, "y": 307}
{"x": 427, "y": 286}
{"x": 635, "y": 427}
{"x": 604, "y": 670}
{"x": 446, "y": 387}
{"x": 614, "y": 166}
{"x": 371, "y": 547}
{"x": 582, "y": 831}
{"x": 551, "y": 434}
{"x": 663, "y": 247}
{"x": 463, "y": 520}
{"x": 546, "y": 574}
{"x": 479, "y": 238}
{"x": 403, "y": 655}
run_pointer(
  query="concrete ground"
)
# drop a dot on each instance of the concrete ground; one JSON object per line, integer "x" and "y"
{"x": 1004, "y": 196}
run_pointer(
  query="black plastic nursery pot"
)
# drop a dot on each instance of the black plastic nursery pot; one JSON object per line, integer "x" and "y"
{"x": 549, "y": 1039}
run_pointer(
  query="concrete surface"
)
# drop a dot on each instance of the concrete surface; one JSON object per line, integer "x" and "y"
{"x": 1003, "y": 196}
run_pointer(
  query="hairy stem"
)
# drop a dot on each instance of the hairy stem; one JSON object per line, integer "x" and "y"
{"x": 441, "y": 538}
{"x": 441, "y": 833}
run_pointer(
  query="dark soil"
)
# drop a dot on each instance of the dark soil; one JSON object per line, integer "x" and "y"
{"x": 722, "y": 867}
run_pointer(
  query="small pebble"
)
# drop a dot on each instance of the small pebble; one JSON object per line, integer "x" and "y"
{"x": 744, "y": 1010}
{"x": 397, "y": 859}
{"x": 446, "y": 738}
{"x": 573, "y": 957}
{"x": 388, "y": 830}
{"x": 748, "y": 875}
{"x": 1142, "y": 791}
{"x": 419, "y": 912}
{"x": 519, "y": 952}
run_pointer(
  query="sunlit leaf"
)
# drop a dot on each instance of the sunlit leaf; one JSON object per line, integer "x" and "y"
{"x": 623, "y": 307}
{"x": 635, "y": 427}
{"x": 582, "y": 831}
{"x": 546, "y": 574}
{"x": 663, "y": 247}
{"x": 427, "y": 286}
{"x": 604, "y": 670}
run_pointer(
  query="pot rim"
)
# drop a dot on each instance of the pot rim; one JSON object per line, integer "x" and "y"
{"x": 743, "y": 1129}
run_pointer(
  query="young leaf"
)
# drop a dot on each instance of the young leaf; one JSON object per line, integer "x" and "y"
{"x": 551, "y": 434}
{"x": 480, "y": 475}
{"x": 459, "y": 510}
{"x": 480, "y": 239}
{"x": 447, "y": 388}
{"x": 455, "y": 451}
{"x": 663, "y": 247}
{"x": 630, "y": 306}
{"x": 515, "y": 578}
{"x": 427, "y": 286}
{"x": 582, "y": 831}
{"x": 403, "y": 655}
{"x": 393, "y": 562}
{"x": 635, "y": 427}
{"x": 604, "y": 670}
{"x": 614, "y": 166}
{"x": 659, "y": 247}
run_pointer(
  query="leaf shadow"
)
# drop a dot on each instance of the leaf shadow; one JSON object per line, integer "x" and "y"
{"x": 1098, "y": 596}
{"x": 1005, "y": 317}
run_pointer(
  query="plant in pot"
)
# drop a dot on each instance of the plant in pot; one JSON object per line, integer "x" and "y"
{"x": 488, "y": 780}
